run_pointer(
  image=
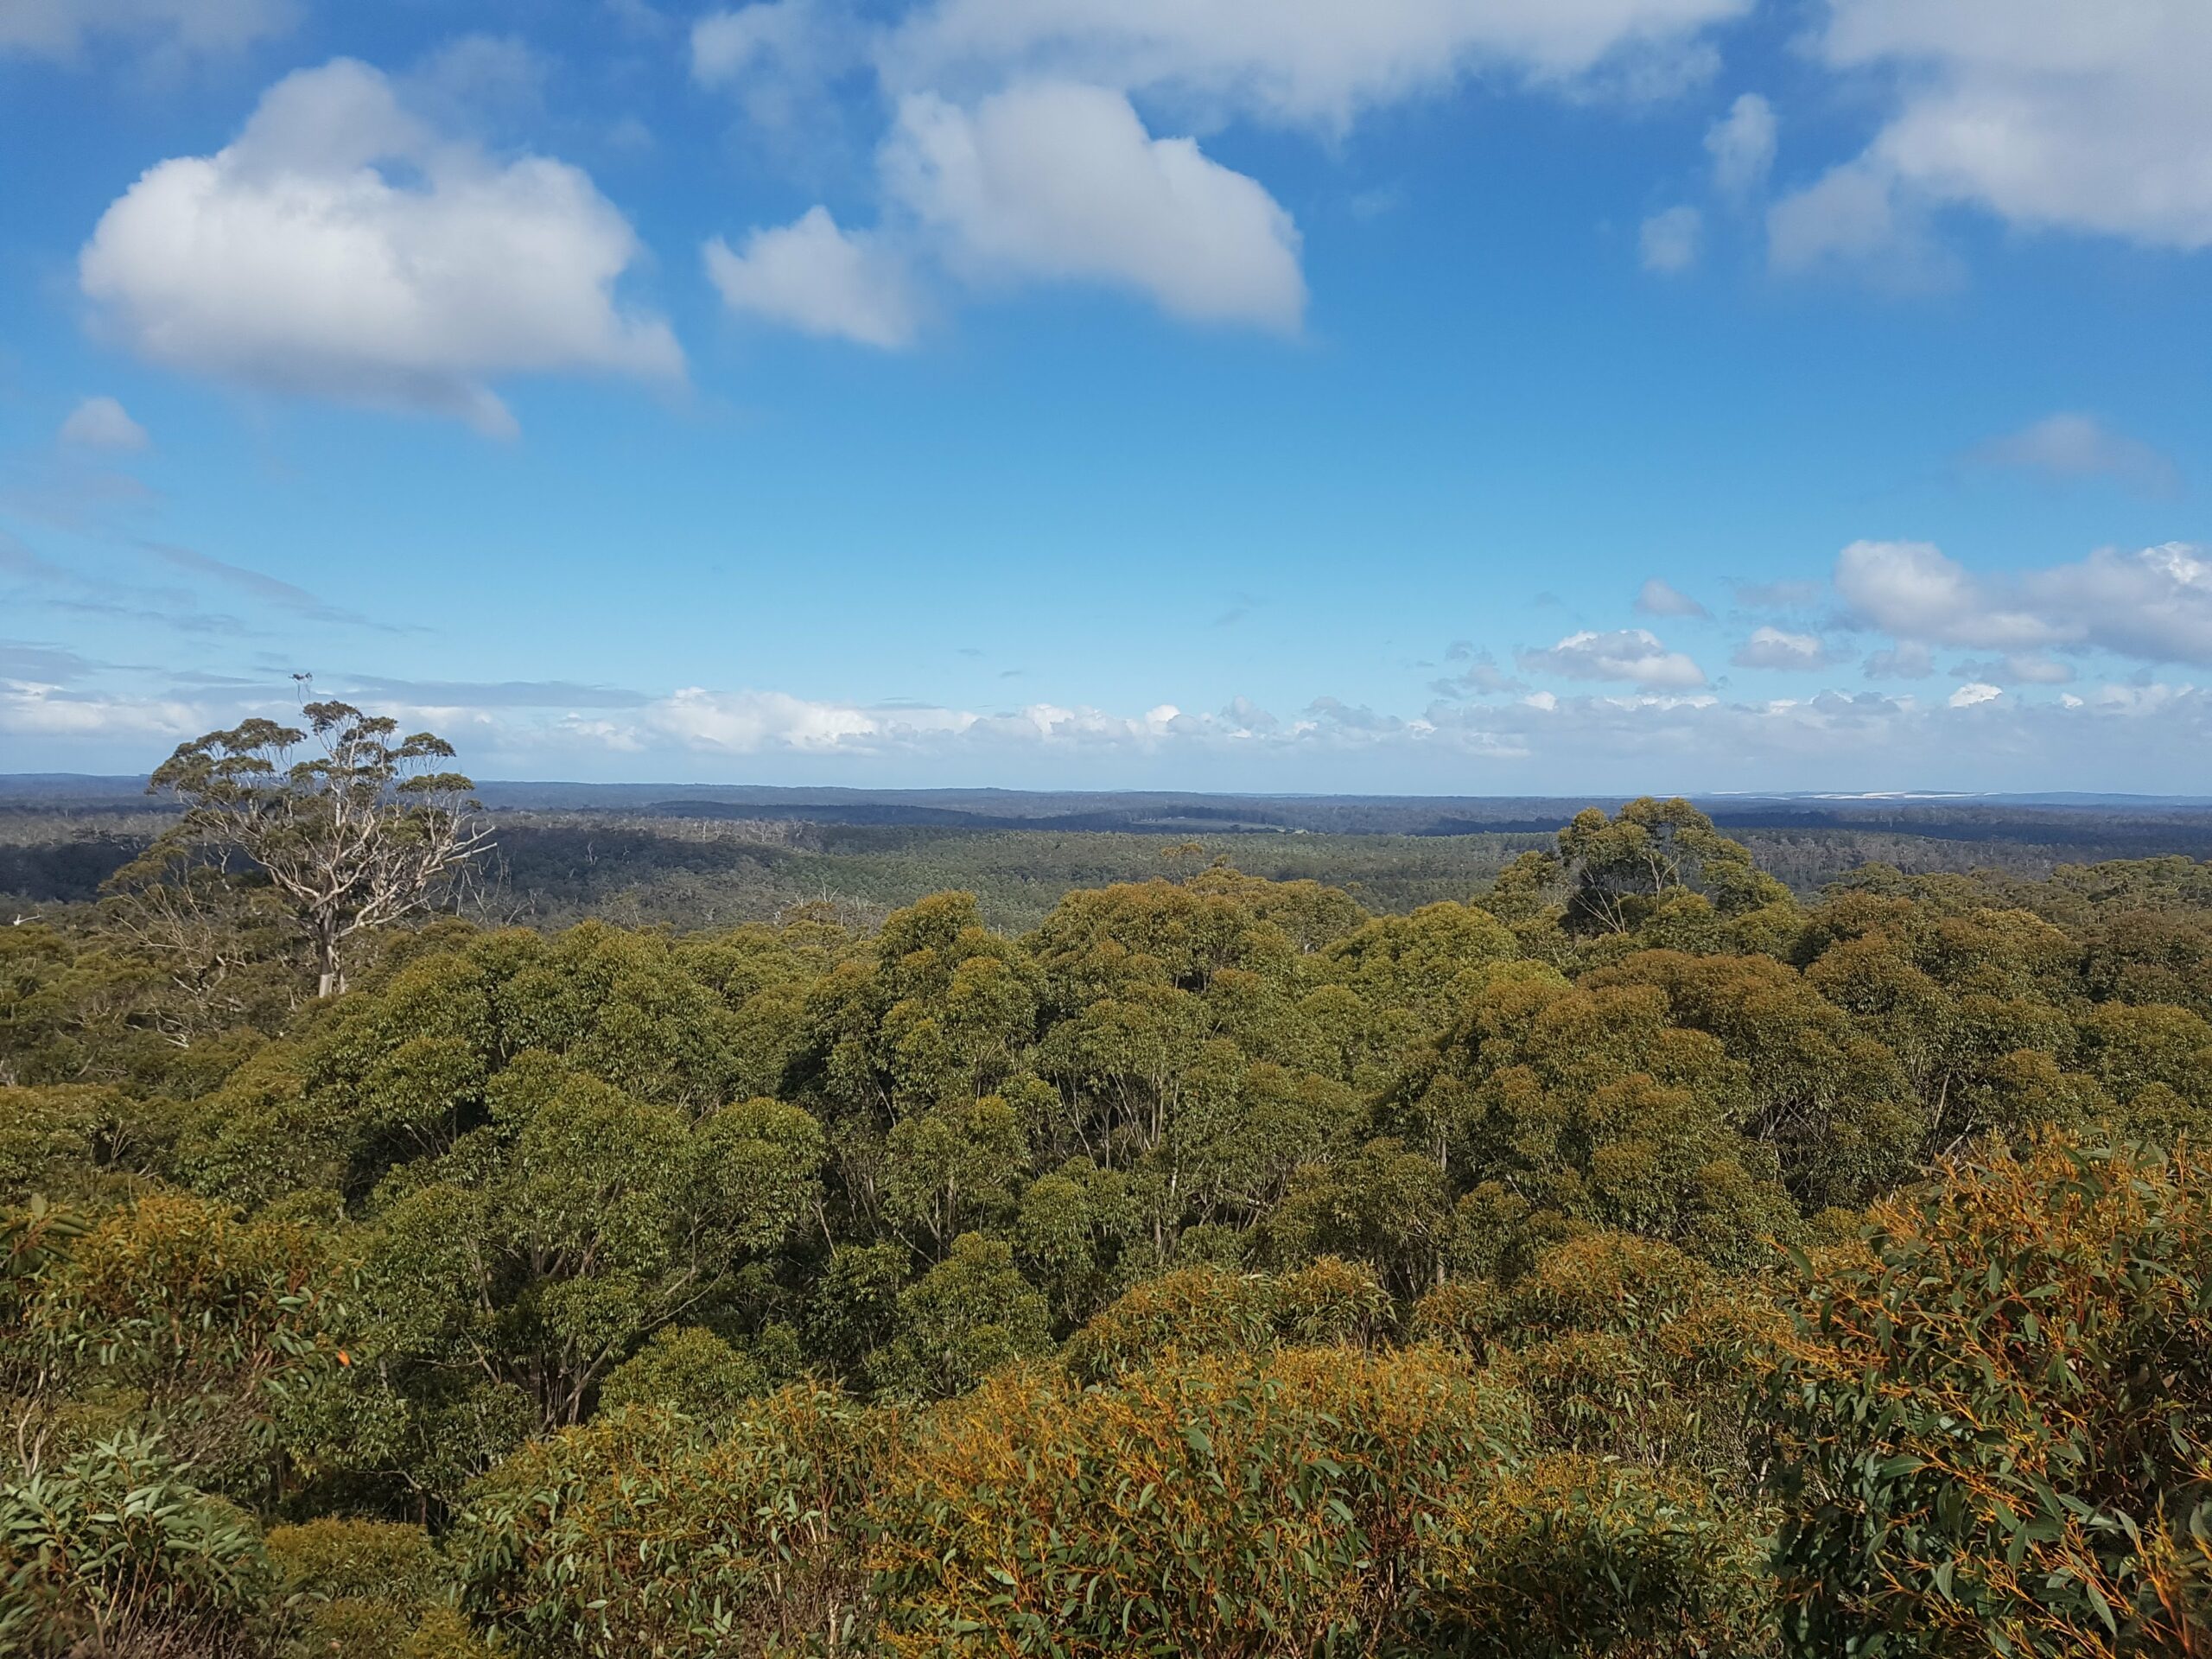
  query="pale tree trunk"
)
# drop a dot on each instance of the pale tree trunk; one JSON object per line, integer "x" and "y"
{"x": 332, "y": 979}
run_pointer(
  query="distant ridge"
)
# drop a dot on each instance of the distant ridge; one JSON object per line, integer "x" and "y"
{"x": 1945, "y": 814}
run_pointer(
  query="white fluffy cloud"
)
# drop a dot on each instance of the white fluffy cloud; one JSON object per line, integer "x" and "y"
{"x": 1017, "y": 153}
{"x": 340, "y": 248}
{"x": 2051, "y": 114}
{"x": 64, "y": 27}
{"x": 1855, "y": 218}
{"x": 1297, "y": 61}
{"x": 2154, "y": 605}
{"x": 1741, "y": 144}
{"x": 102, "y": 423}
{"x": 1776, "y": 648}
{"x": 1667, "y": 242}
{"x": 1634, "y": 655}
{"x": 819, "y": 279}
{"x": 754, "y": 722}
{"x": 1914, "y": 590}
{"x": 2070, "y": 446}
{"x": 1055, "y": 180}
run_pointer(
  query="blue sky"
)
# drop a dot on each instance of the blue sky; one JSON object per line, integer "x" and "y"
{"x": 1456, "y": 396}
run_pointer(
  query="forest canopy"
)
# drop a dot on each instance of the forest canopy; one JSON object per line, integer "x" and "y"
{"x": 1629, "y": 1258}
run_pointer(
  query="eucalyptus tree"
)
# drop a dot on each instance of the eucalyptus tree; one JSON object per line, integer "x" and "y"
{"x": 355, "y": 827}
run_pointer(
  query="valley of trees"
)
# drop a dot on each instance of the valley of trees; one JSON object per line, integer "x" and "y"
{"x": 1627, "y": 1257}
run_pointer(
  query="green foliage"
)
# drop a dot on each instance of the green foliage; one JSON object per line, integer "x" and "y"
{"x": 1202, "y": 1506}
{"x": 1209, "y": 1310}
{"x": 1575, "y": 1557}
{"x": 688, "y": 1370}
{"x": 115, "y": 1550}
{"x": 639, "y": 1534}
{"x": 962, "y": 1319}
{"x": 211, "y": 1327}
{"x": 1994, "y": 1422}
{"x": 357, "y": 1589}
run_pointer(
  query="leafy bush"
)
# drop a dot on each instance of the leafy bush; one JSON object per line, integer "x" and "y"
{"x": 1628, "y": 1348}
{"x": 356, "y": 1589}
{"x": 637, "y": 1534}
{"x": 967, "y": 1315}
{"x": 1212, "y": 1505}
{"x": 688, "y": 1370}
{"x": 1577, "y": 1556}
{"x": 1993, "y": 1421}
{"x": 209, "y": 1323}
{"x": 1200, "y": 1310}
{"x": 115, "y": 1551}
{"x": 1210, "y": 1309}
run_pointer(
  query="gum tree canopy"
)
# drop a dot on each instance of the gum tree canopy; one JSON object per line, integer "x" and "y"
{"x": 360, "y": 832}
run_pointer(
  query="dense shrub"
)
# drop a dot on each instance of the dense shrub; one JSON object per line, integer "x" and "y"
{"x": 1628, "y": 1348}
{"x": 1994, "y": 1420}
{"x": 1215, "y": 1505}
{"x": 358, "y": 1589}
{"x": 114, "y": 1550}
{"x": 690, "y": 1370}
{"x": 1578, "y": 1556}
{"x": 210, "y": 1325}
{"x": 640, "y": 1535}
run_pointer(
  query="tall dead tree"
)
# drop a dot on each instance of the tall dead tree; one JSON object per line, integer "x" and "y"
{"x": 356, "y": 833}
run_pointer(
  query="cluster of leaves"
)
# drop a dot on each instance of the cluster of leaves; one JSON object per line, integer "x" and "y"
{"x": 1218, "y": 1263}
{"x": 1995, "y": 1418}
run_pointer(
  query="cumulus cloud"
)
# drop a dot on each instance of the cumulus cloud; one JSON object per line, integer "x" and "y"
{"x": 1914, "y": 590}
{"x": 1667, "y": 242}
{"x": 778, "y": 59}
{"x": 1301, "y": 61}
{"x": 102, "y": 423}
{"x": 1015, "y": 152}
{"x": 1244, "y": 715}
{"x": 1855, "y": 218}
{"x": 1634, "y": 655}
{"x": 1774, "y": 648}
{"x": 1052, "y": 179}
{"x": 341, "y": 248}
{"x": 2106, "y": 736}
{"x": 1658, "y": 598}
{"x": 2071, "y": 446}
{"x": 1741, "y": 144}
{"x": 819, "y": 279}
{"x": 2049, "y": 114}
{"x": 2154, "y": 605}
{"x": 62, "y": 28}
